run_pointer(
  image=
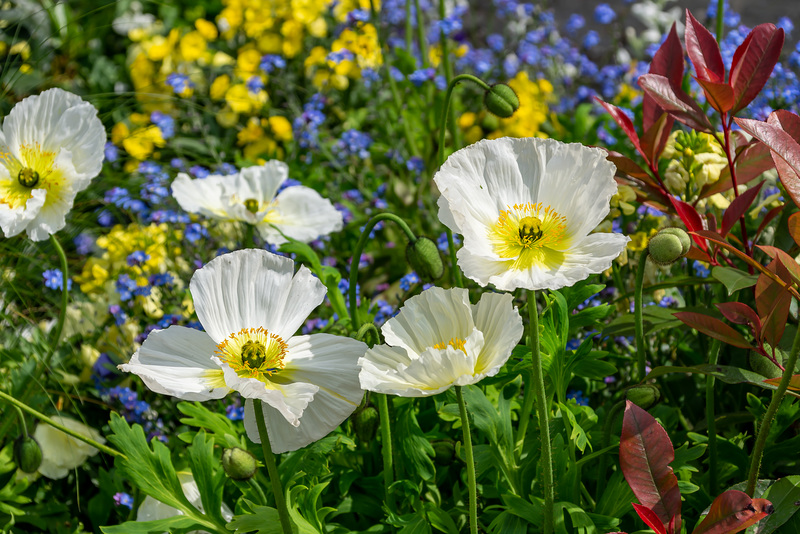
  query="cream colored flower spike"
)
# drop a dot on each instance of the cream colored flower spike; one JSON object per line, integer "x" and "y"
{"x": 51, "y": 146}
{"x": 525, "y": 208}
{"x": 251, "y": 303}
{"x": 440, "y": 340}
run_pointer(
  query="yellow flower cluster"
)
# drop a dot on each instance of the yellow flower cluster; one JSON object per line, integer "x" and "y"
{"x": 362, "y": 42}
{"x": 138, "y": 137}
{"x": 257, "y": 141}
{"x": 695, "y": 160}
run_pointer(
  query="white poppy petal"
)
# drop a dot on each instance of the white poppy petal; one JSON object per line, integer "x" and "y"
{"x": 201, "y": 196}
{"x": 302, "y": 214}
{"x": 499, "y": 321}
{"x": 177, "y": 362}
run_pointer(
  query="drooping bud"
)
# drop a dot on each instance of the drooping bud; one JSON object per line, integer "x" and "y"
{"x": 501, "y": 100}
{"x": 425, "y": 259}
{"x": 366, "y": 423}
{"x": 645, "y": 396}
{"x": 27, "y": 454}
{"x": 239, "y": 464}
{"x": 668, "y": 246}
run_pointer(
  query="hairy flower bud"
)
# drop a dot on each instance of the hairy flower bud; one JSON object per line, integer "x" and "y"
{"x": 239, "y": 464}
{"x": 425, "y": 259}
{"x": 366, "y": 423}
{"x": 669, "y": 245}
{"x": 645, "y": 396}
{"x": 501, "y": 100}
{"x": 27, "y": 454}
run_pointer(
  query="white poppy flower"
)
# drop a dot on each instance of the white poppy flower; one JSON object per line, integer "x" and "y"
{"x": 51, "y": 146}
{"x": 440, "y": 340}
{"x": 251, "y": 303}
{"x": 62, "y": 453}
{"x": 152, "y": 509}
{"x": 526, "y": 208}
{"x": 252, "y": 196}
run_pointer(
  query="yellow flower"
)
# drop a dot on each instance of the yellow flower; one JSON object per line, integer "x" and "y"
{"x": 250, "y": 133}
{"x": 281, "y": 128}
{"x": 193, "y": 46}
{"x": 248, "y": 60}
{"x": 206, "y": 29}
{"x": 241, "y": 100}
{"x": 219, "y": 87}
{"x": 142, "y": 141}
{"x": 119, "y": 132}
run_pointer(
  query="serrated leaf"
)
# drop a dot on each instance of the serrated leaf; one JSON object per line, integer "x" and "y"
{"x": 262, "y": 520}
{"x": 159, "y": 525}
{"x": 415, "y": 447}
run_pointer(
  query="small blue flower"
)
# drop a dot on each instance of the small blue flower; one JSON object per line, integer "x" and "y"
{"x": 591, "y": 39}
{"x": 137, "y": 257}
{"x": 408, "y": 280}
{"x": 255, "y": 84}
{"x": 271, "y": 62}
{"x": 54, "y": 279}
{"x": 199, "y": 171}
{"x": 575, "y": 23}
{"x": 604, "y": 14}
{"x": 111, "y": 152}
{"x": 164, "y": 122}
{"x": 123, "y": 499}
{"x": 578, "y": 397}
{"x": 179, "y": 82}
{"x": 118, "y": 313}
{"x": 418, "y": 77}
{"x": 700, "y": 270}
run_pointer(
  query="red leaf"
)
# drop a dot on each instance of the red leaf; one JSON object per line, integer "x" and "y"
{"x": 668, "y": 62}
{"x": 645, "y": 452}
{"x": 789, "y": 123}
{"x": 650, "y": 518}
{"x": 731, "y": 512}
{"x": 751, "y": 163}
{"x": 738, "y": 312}
{"x": 753, "y": 62}
{"x": 772, "y": 303}
{"x": 791, "y": 272}
{"x": 627, "y": 166}
{"x": 691, "y": 219}
{"x": 624, "y": 122}
{"x": 655, "y": 138}
{"x": 719, "y": 95}
{"x": 794, "y": 226}
{"x": 713, "y": 327}
{"x": 675, "y": 102}
{"x": 704, "y": 52}
{"x": 794, "y": 383}
{"x": 737, "y": 208}
{"x": 785, "y": 152}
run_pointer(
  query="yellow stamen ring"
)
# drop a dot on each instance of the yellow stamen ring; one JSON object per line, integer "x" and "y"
{"x": 455, "y": 342}
{"x": 253, "y": 352}
{"x": 529, "y": 234}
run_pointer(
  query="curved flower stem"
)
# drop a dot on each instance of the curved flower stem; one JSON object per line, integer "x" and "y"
{"x": 638, "y": 321}
{"x": 354, "y": 261}
{"x": 763, "y": 431}
{"x": 44, "y": 363}
{"x": 536, "y": 383}
{"x": 713, "y": 355}
{"x": 386, "y": 449}
{"x": 470, "y": 459}
{"x": 42, "y": 417}
{"x": 272, "y": 469}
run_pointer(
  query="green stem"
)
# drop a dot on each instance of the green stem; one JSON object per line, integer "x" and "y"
{"x": 720, "y": 22}
{"x": 447, "y": 67}
{"x": 22, "y": 421}
{"x": 386, "y": 449}
{"x": 409, "y": 29}
{"x": 422, "y": 40}
{"x": 607, "y": 428}
{"x": 362, "y": 241}
{"x": 43, "y": 364}
{"x": 470, "y": 459}
{"x": 272, "y": 469}
{"x": 542, "y": 410}
{"x": 763, "y": 431}
{"x": 42, "y": 417}
{"x": 713, "y": 356}
{"x": 256, "y": 487}
{"x": 641, "y": 355}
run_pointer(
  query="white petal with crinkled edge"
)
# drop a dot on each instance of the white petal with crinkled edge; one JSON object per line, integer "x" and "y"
{"x": 289, "y": 399}
{"x": 201, "y": 196}
{"x": 177, "y": 362}
{"x": 302, "y": 214}
{"x": 251, "y": 289}
{"x": 14, "y": 221}
{"x": 499, "y": 321}
{"x": 432, "y": 372}
{"x": 329, "y": 362}
{"x": 434, "y": 316}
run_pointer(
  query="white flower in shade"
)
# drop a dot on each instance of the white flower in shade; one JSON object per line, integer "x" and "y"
{"x": 251, "y": 303}
{"x": 525, "y": 208}
{"x": 62, "y": 453}
{"x": 440, "y": 340}
{"x": 152, "y": 509}
{"x": 251, "y": 196}
{"x": 51, "y": 146}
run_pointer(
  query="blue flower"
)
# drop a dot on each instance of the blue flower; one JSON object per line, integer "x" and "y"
{"x": 408, "y": 280}
{"x": 199, "y": 171}
{"x": 418, "y": 77}
{"x": 575, "y": 23}
{"x": 179, "y": 82}
{"x": 270, "y": 62}
{"x": 54, "y": 279}
{"x": 164, "y": 122}
{"x": 111, "y": 152}
{"x": 353, "y": 143}
{"x": 700, "y": 270}
{"x": 123, "y": 499}
{"x": 578, "y": 397}
{"x": 604, "y": 14}
{"x": 591, "y": 39}
{"x": 137, "y": 257}
{"x": 118, "y": 313}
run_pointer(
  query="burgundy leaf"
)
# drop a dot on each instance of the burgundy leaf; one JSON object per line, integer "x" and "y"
{"x": 713, "y": 327}
{"x": 733, "y": 511}
{"x": 675, "y": 102}
{"x": 655, "y": 138}
{"x": 738, "y": 312}
{"x": 794, "y": 226}
{"x": 668, "y": 62}
{"x": 650, "y": 518}
{"x": 791, "y": 270}
{"x": 738, "y": 207}
{"x": 624, "y": 122}
{"x": 753, "y": 62}
{"x": 703, "y": 51}
{"x": 719, "y": 95}
{"x": 645, "y": 452}
{"x": 752, "y": 162}
{"x": 772, "y": 303}
{"x": 789, "y": 123}
{"x": 691, "y": 219}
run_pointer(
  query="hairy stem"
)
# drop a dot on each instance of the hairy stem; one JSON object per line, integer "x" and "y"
{"x": 272, "y": 469}
{"x": 469, "y": 458}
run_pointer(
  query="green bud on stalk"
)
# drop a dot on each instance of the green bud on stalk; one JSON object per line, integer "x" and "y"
{"x": 669, "y": 245}
{"x": 424, "y": 257}
{"x": 27, "y": 454}
{"x": 501, "y": 100}
{"x": 645, "y": 396}
{"x": 239, "y": 464}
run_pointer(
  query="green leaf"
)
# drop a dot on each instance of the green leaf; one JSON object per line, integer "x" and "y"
{"x": 209, "y": 483}
{"x": 578, "y": 435}
{"x": 530, "y": 512}
{"x": 261, "y": 520}
{"x": 733, "y": 279}
{"x": 414, "y": 446}
{"x": 784, "y": 496}
{"x": 159, "y": 525}
{"x": 215, "y": 424}
{"x": 440, "y": 519}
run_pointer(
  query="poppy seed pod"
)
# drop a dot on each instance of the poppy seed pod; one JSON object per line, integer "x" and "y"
{"x": 27, "y": 454}
{"x": 423, "y": 256}
{"x": 645, "y": 396}
{"x": 668, "y": 246}
{"x": 239, "y": 464}
{"x": 501, "y": 100}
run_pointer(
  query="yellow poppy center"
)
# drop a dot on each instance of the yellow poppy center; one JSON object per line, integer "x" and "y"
{"x": 252, "y": 205}
{"x": 530, "y": 234}
{"x": 35, "y": 168}
{"x": 253, "y": 352}
{"x": 27, "y": 177}
{"x": 455, "y": 342}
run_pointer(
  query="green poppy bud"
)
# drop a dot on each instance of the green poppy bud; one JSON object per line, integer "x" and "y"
{"x": 424, "y": 257}
{"x": 366, "y": 423}
{"x": 668, "y": 246}
{"x": 239, "y": 464}
{"x": 445, "y": 452}
{"x": 645, "y": 396}
{"x": 501, "y": 100}
{"x": 27, "y": 454}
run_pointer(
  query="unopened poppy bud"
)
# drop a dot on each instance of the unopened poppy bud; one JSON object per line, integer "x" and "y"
{"x": 239, "y": 464}
{"x": 366, "y": 423}
{"x": 27, "y": 454}
{"x": 668, "y": 246}
{"x": 501, "y": 100}
{"x": 445, "y": 452}
{"x": 424, "y": 257}
{"x": 645, "y": 396}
